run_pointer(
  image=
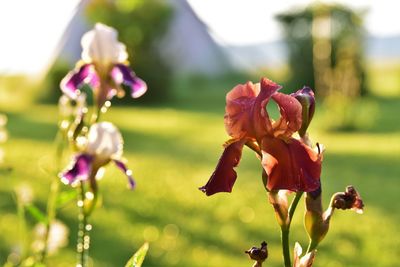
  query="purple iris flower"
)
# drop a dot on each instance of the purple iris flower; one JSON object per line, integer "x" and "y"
{"x": 102, "y": 145}
{"x": 104, "y": 67}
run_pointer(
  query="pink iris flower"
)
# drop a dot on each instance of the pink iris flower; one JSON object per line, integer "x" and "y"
{"x": 289, "y": 163}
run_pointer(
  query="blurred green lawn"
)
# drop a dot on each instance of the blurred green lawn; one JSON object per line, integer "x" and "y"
{"x": 173, "y": 149}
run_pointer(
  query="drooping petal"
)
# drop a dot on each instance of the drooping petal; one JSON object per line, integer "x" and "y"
{"x": 74, "y": 80}
{"x": 79, "y": 171}
{"x": 290, "y": 165}
{"x": 121, "y": 165}
{"x": 224, "y": 176}
{"x": 123, "y": 74}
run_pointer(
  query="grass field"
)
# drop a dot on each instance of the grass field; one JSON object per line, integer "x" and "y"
{"x": 172, "y": 150}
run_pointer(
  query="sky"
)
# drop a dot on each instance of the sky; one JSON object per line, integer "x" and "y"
{"x": 31, "y": 30}
{"x": 243, "y": 22}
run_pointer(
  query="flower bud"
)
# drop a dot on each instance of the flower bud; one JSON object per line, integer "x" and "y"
{"x": 317, "y": 222}
{"x": 314, "y": 221}
{"x": 278, "y": 199}
{"x": 306, "y": 98}
{"x": 305, "y": 261}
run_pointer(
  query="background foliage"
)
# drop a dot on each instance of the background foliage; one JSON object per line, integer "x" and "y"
{"x": 339, "y": 45}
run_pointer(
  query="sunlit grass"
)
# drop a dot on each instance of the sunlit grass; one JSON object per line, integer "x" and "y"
{"x": 384, "y": 78}
{"x": 172, "y": 150}
{"x": 17, "y": 91}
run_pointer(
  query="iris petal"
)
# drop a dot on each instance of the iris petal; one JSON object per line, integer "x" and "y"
{"x": 123, "y": 74}
{"x": 74, "y": 79}
{"x": 290, "y": 120}
{"x": 224, "y": 176}
{"x": 239, "y": 103}
{"x": 262, "y": 122}
{"x": 290, "y": 165}
{"x": 121, "y": 165}
{"x": 81, "y": 168}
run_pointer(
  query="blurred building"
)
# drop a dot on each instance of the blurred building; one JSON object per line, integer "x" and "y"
{"x": 189, "y": 46}
{"x": 69, "y": 47}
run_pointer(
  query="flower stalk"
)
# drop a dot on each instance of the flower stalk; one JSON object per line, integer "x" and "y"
{"x": 54, "y": 191}
{"x": 285, "y": 229}
{"x": 285, "y": 247}
{"x": 104, "y": 68}
{"x": 83, "y": 240}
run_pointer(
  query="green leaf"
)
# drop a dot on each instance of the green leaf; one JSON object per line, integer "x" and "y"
{"x": 65, "y": 197}
{"x": 36, "y": 213}
{"x": 138, "y": 258}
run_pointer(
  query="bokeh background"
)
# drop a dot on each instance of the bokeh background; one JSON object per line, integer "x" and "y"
{"x": 191, "y": 53}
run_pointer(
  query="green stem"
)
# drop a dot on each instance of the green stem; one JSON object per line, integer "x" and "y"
{"x": 311, "y": 246}
{"x": 95, "y": 116}
{"x": 84, "y": 227}
{"x": 22, "y": 227}
{"x": 285, "y": 247}
{"x": 81, "y": 227}
{"x": 293, "y": 206}
{"x": 54, "y": 189}
{"x": 51, "y": 215}
{"x": 286, "y": 228}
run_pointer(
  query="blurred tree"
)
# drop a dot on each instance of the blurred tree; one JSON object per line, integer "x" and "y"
{"x": 325, "y": 49}
{"x": 50, "y": 85}
{"x": 140, "y": 24}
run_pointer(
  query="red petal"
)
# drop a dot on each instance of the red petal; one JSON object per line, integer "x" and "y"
{"x": 224, "y": 176}
{"x": 290, "y": 165}
{"x": 262, "y": 122}
{"x": 290, "y": 120}
{"x": 239, "y": 103}
{"x": 246, "y": 115}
